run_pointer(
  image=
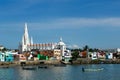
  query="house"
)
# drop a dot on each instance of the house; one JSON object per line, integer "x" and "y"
{"x": 9, "y": 56}
{"x": 2, "y": 56}
{"x": 57, "y": 54}
{"x": 22, "y": 57}
{"x": 67, "y": 55}
{"x": 94, "y": 55}
{"x": 109, "y": 56}
{"x": 1, "y": 47}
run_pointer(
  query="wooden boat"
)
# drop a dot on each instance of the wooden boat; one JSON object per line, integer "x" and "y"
{"x": 29, "y": 68}
{"x": 44, "y": 66}
{"x": 5, "y": 67}
{"x": 60, "y": 65}
{"x": 92, "y": 69}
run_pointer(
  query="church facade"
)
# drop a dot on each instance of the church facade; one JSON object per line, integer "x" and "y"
{"x": 59, "y": 49}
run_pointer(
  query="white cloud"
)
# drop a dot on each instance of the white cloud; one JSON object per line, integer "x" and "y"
{"x": 74, "y": 46}
{"x": 76, "y": 23}
{"x": 63, "y": 23}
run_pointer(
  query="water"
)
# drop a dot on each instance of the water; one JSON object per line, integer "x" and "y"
{"x": 70, "y": 72}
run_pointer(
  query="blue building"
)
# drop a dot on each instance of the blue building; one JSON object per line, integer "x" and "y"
{"x": 9, "y": 57}
{"x": 6, "y": 56}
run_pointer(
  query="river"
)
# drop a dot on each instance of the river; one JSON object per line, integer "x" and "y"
{"x": 70, "y": 72}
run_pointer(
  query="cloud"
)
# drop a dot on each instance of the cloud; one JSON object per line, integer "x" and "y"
{"x": 74, "y": 46}
{"x": 45, "y": 0}
{"x": 76, "y": 23}
{"x": 65, "y": 23}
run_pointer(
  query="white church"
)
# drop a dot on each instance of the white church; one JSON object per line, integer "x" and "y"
{"x": 28, "y": 45}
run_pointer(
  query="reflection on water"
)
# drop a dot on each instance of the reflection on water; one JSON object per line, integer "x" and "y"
{"x": 70, "y": 72}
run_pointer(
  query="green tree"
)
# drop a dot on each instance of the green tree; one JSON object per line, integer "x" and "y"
{"x": 85, "y": 48}
{"x": 91, "y": 50}
{"x": 75, "y": 54}
{"x": 4, "y": 49}
{"x": 96, "y": 50}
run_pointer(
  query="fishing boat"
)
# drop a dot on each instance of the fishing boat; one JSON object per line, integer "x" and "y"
{"x": 60, "y": 65}
{"x": 44, "y": 66}
{"x": 5, "y": 67}
{"x": 92, "y": 69}
{"x": 28, "y": 68}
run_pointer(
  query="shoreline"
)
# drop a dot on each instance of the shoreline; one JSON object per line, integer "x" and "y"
{"x": 52, "y": 62}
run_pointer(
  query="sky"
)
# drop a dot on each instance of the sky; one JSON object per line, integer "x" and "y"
{"x": 95, "y": 23}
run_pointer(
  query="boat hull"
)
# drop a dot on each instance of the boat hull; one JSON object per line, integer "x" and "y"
{"x": 28, "y": 68}
{"x": 85, "y": 70}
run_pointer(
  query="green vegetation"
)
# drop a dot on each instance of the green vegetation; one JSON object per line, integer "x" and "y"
{"x": 86, "y": 48}
{"x": 75, "y": 54}
{"x": 4, "y": 49}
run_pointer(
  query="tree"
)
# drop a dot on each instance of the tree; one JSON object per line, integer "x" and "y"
{"x": 96, "y": 50}
{"x": 85, "y": 48}
{"x": 91, "y": 50}
{"x": 4, "y": 49}
{"x": 75, "y": 55}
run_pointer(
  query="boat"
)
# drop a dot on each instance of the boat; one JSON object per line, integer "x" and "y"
{"x": 29, "y": 68}
{"x": 92, "y": 69}
{"x": 44, "y": 66}
{"x": 5, "y": 67}
{"x": 60, "y": 65}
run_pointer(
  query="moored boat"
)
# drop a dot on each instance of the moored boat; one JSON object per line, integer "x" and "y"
{"x": 5, "y": 67}
{"x": 60, "y": 65}
{"x": 29, "y": 68}
{"x": 43, "y": 67}
{"x": 92, "y": 69}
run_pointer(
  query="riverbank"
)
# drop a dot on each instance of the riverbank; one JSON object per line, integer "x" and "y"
{"x": 97, "y": 61}
{"x": 22, "y": 63}
{"x": 52, "y": 62}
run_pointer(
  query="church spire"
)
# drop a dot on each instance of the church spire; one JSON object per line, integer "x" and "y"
{"x": 31, "y": 41}
{"x": 26, "y": 35}
{"x": 61, "y": 39}
{"x": 25, "y": 39}
{"x": 26, "y": 30}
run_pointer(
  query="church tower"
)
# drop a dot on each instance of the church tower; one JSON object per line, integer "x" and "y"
{"x": 62, "y": 47}
{"x": 25, "y": 39}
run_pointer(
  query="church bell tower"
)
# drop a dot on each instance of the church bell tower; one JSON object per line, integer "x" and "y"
{"x": 25, "y": 39}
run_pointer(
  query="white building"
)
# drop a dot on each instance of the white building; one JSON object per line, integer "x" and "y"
{"x": 94, "y": 55}
{"x": 110, "y": 56}
{"x": 1, "y": 47}
{"x": 28, "y": 45}
{"x": 118, "y": 49}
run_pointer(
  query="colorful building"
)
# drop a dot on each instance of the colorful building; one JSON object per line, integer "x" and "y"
{"x": 7, "y": 56}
